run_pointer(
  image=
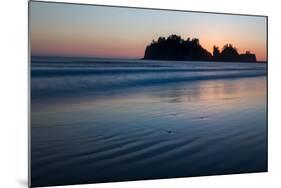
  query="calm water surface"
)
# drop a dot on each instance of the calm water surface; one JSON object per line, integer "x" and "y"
{"x": 114, "y": 121}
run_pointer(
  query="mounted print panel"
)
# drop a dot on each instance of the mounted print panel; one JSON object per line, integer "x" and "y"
{"x": 121, "y": 94}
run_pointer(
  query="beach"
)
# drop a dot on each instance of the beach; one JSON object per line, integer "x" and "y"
{"x": 103, "y": 120}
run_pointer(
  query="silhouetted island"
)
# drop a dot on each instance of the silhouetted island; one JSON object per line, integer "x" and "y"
{"x": 176, "y": 48}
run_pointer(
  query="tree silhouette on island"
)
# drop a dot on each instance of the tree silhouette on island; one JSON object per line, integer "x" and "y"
{"x": 175, "y": 48}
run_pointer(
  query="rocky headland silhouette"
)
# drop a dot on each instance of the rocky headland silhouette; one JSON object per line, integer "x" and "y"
{"x": 175, "y": 48}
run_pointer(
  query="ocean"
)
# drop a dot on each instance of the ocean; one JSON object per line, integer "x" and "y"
{"x": 104, "y": 120}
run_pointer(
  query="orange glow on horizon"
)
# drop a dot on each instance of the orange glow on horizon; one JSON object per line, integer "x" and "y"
{"x": 125, "y": 32}
{"x": 128, "y": 49}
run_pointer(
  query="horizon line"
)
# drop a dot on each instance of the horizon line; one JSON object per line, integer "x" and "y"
{"x": 96, "y": 57}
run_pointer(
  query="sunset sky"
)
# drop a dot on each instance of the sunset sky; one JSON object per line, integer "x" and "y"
{"x": 98, "y": 31}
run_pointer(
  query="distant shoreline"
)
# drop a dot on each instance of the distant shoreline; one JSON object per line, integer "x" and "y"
{"x": 32, "y": 57}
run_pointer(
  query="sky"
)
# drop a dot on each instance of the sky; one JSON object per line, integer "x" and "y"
{"x": 98, "y": 31}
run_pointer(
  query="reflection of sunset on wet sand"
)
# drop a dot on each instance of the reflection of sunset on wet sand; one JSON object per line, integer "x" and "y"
{"x": 175, "y": 126}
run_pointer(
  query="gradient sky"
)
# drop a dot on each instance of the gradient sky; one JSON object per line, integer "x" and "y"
{"x": 98, "y": 31}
